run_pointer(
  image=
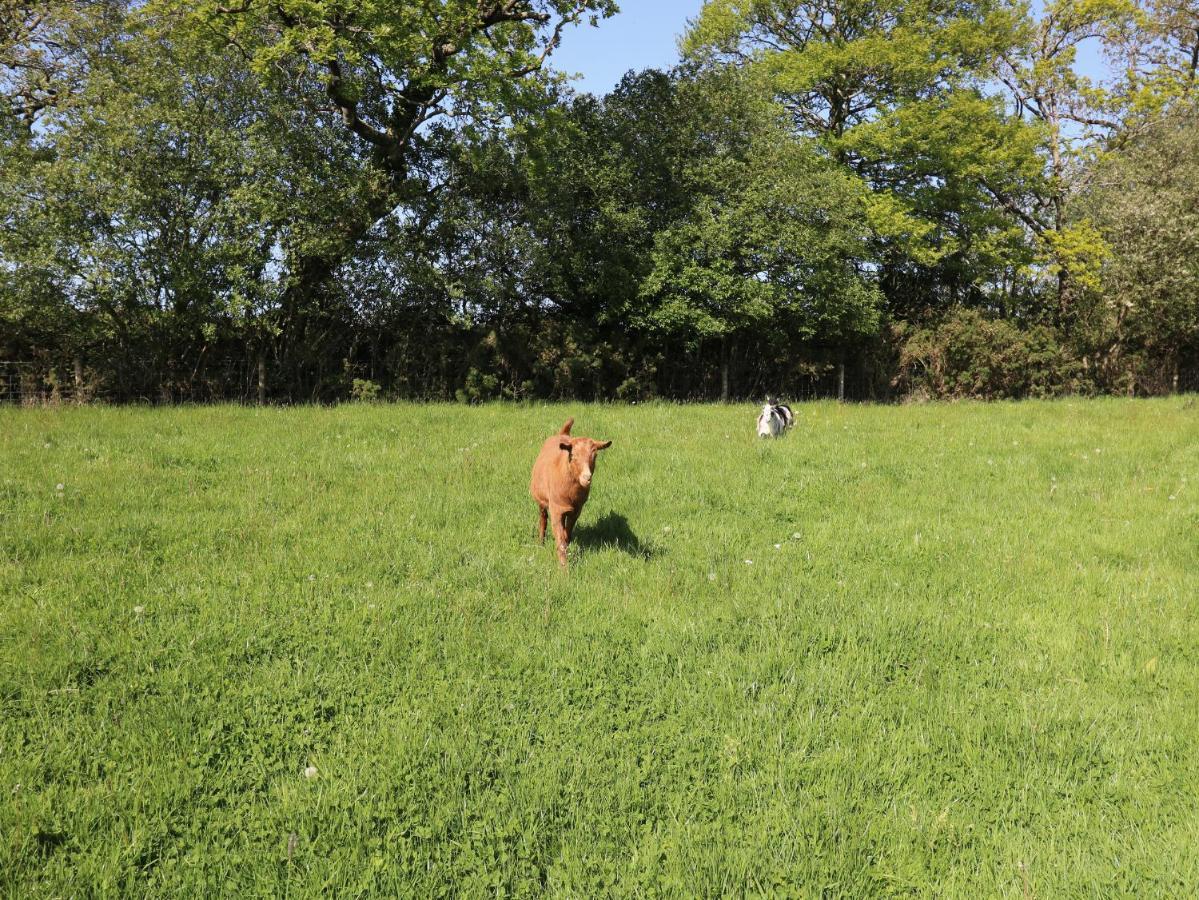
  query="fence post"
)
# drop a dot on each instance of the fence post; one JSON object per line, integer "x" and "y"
{"x": 841, "y": 383}
{"x": 261, "y": 380}
{"x": 78, "y": 380}
{"x": 724, "y": 371}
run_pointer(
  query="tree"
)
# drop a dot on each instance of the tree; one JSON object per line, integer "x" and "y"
{"x": 1074, "y": 118}
{"x": 391, "y": 75}
{"x": 1157, "y": 50}
{"x": 772, "y": 242}
{"x": 893, "y": 91}
{"x": 1143, "y": 325}
{"x": 152, "y": 216}
{"x": 836, "y": 65}
{"x": 611, "y": 244}
{"x": 46, "y": 47}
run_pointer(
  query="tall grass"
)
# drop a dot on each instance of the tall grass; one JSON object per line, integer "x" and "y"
{"x": 942, "y": 650}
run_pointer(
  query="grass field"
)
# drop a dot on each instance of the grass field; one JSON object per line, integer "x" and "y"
{"x": 946, "y": 650}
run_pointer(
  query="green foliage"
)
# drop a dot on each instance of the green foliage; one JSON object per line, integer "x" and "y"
{"x": 151, "y": 216}
{"x": 773, "y": 236}
{"x": 479, "y": 386}
{"x": 890, "y": 91}
{"x": 971, "y": 653}
{"x": 388, "y": 67}
{"x": 364, "y": 390}
{"x": 969, "y": 356}
{"x": 1078, "y": 249}
{"x": 1142, "y": 321}
{"x": 677, "y": 213}
{"x": 780, "y": 253}
{"x": 938, "y": 164}
{"x": 194, "y": 195}
{"x": 839, "y": 65}
{"x": 1075, "y": 119}
{"x": 1156, "y": 52}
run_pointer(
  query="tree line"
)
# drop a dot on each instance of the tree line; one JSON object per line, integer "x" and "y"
{"x": 315, "y": 200}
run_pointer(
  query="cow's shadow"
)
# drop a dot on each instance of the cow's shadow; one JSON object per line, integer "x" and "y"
{"x": 611, "y": 530}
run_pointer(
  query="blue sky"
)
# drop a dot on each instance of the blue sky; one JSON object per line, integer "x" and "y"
{"x": 642, "y": 35}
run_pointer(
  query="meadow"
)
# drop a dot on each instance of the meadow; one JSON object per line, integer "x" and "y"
{"x": 938, "y": 650}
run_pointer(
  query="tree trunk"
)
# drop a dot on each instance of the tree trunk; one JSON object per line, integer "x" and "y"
{"x": 305, "y": 301}
{"x": 724, "y": 371}
{"x": 1065, "y": 280}
{"x": 841, "y": 383}
{"x": 261, "y": 379}
{"x": 79, "y": 380}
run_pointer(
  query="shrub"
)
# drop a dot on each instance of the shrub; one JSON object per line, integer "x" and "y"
{"x": 967, "y": 355}
{"x": 364, "y": 390}
{"x": 480, "y": 386}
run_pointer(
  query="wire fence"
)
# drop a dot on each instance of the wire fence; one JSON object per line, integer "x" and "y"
{"x": 26, "y": 383}
{"x": 32, "y": 384}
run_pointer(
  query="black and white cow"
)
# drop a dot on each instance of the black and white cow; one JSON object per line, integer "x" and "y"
{"x": 774, "y": 419}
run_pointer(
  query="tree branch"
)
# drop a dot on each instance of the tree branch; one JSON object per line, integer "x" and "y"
{"x": 348, "y": 108}
{"x": 1014, "y": 208}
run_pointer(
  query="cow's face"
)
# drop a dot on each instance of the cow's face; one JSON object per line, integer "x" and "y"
{"x": 582, "y": 454}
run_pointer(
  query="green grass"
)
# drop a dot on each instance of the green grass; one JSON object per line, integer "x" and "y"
{"x": 964, "y": 660}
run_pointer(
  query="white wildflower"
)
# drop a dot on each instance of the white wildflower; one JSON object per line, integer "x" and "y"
{"x": 310, "y": 772}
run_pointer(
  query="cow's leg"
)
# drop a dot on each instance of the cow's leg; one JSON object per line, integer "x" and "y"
{"x": 559, "y": 518}
{"x": 543, "y": 520}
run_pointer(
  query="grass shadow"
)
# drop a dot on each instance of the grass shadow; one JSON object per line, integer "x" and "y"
{"x": 612, "y": 530}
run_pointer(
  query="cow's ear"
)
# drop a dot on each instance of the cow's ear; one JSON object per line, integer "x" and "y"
{"x": 602, "y": 445}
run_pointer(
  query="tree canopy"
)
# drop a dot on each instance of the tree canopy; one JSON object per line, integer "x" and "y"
{"x": 221, "y": 198}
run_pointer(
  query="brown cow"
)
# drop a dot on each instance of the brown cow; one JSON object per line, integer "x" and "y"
{"x": 561, "y": 482}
